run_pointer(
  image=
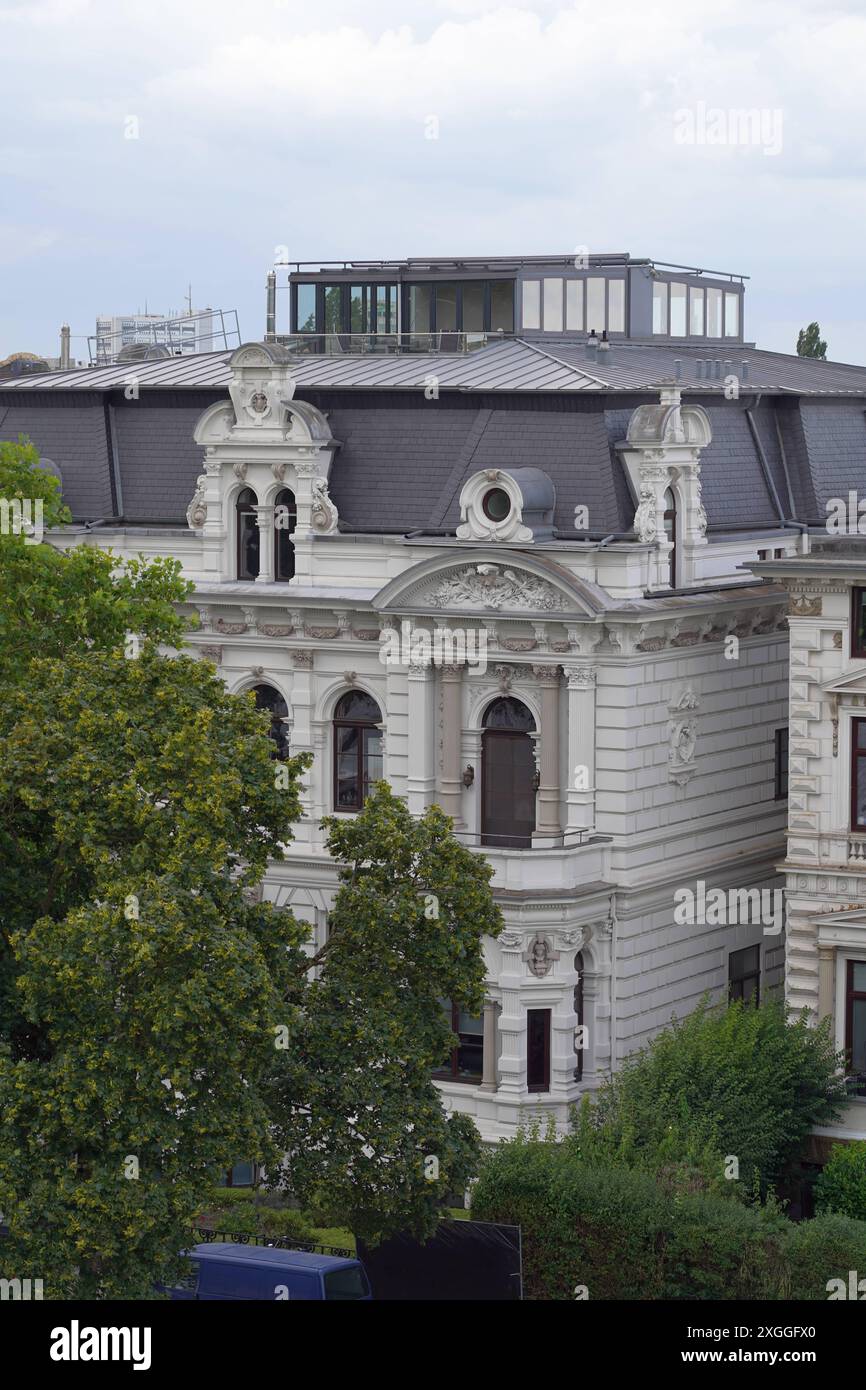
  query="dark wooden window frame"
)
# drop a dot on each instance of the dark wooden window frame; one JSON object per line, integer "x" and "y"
{"x": 857, "y": 598}
{"x": 780, "y": 769}
{"x": 856, "y": 755}
{"x": 280, "y": 531}
{"x": 451, "y": 1071}
{"x": 543, "y": 1084}
{"x": 852, "y": 994}
{"x": 245, "y": 509}
{"x": 747, "y": 975}
{"x": 671, "y": 516}
{"x": 364, "y": 727}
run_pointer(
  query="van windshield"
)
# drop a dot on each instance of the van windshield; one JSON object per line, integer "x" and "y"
{"x": 349, "y": 1282}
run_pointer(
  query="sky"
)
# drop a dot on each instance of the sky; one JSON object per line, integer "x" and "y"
{"x": 148, "y": 146}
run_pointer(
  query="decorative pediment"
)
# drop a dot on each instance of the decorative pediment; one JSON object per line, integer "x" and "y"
{"x": 851, "y": 683}
{"x": 488, "y": 584}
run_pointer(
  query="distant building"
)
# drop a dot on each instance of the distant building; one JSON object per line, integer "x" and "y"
{"x": 23, "y": 364}
{"x": 181, "y": 334}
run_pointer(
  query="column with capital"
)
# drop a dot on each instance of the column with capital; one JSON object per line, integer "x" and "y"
{"x": 548, "y": 827}
{"x": 304, "y": 736}
{"x": 490, "y": 1070}
{"x": 265, "y": 523}
{"x": 421, "y": 730}
{"x": 450, "y": 795}
{"x": 826, "y": 981}
{"x": 580, "y": 796}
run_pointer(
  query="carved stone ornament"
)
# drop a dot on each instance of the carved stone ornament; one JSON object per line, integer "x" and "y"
{"x": 214, "y": 654}
{"x": 646, "y": 516}
{"x": 494, "y": 587}
{"x": 196, "y": 512}
{"x": 302, "y": 661}
{"x": 539, "y": 956}
{"x": 683, "y": 736}
{"x": 324, "y": 513}
{"x": 273, "y": 630}
{"x": 510, "y": 940}
{"x": 805, "y": 606}
{"x": 229, "y": 629}
{"x": 240, "y": 471}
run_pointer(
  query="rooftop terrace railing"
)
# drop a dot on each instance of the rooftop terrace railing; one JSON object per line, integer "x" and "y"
{"x": 363, "y": 344}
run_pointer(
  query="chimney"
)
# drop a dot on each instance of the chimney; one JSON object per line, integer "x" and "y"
{"x": 65, "y": 362}
{"x": 271, "y": 316}
{"x": 678, "y": 368}
{"x": 603, "y": 354}
{"x": 744, "y": 371}
{"x": 592, "y": 346}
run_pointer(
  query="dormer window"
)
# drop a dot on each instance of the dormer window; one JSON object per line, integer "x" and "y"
{"x": 248, "y": 534}
{"x": 496, "y": 504}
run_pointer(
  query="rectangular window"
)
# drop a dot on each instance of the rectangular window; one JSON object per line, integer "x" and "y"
{"x": 696, "y": 313}
{"x": 538, "y": 1049}
{"x": 595, "y": 316}
{"x": 574, "y": 304}
{"x": 420, "y": 304}
{"x": 678, "y": 311}
{"x": 616, "y": 306}
{"x": 465, "y": 1062}
{"x": 532, "y": 304}
{"x": 858, "y": 774}
{"x": 781, "y": 772}
{"x": 744, "y": 975}
{"x": 660, "y": 307}
{"x": 858, "y": 624}
{"x": 446, "y": 308}
{"x": 732, "y": 315}
{"x": 714, "y": 313}
{"x": 359, "y": 321}
{"x": 855, "y": 1023}
{"x": 333, "y": 308}
{"x": 473, "y": 306}
{"x": 501, "y": 306}
{"x": 306, "y": 309}
{"x": 552, "y": 305}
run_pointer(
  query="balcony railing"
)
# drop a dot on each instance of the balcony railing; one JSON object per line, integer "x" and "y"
{"x": 363, "y": 344}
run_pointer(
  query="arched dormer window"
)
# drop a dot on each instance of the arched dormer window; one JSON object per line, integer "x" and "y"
{"x": 267, "y": 697}
{"x": 357, "y": 749}
{"x": 248, "y": 534}
{"x": 285, "y": 520}
{"x": 508, "y": 775}
{"x": 670, "y": 520}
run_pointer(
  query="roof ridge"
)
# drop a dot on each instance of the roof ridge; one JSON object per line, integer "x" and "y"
{"x": 570, "y": 366}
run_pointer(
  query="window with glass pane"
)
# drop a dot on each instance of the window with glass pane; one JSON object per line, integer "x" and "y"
{"x": 660, "y": 307}
{"x": 532, "y": 304}
{"x": 248, "y": 534}
{"x": 855, "y": 1023}
{"x": 465, "y": 1061}
{"x": 285, "y": 520}
{"x": 858, "y": 624}
{"x": 781, "y": 766}
{"x": 501, "y": 306}
{"x": 306, "y": 309}
{"x": 333, "y": 308}
{"x": 359, "y": 317}
{"x": 696, "y": 312}
{"x": 858, "y": 774}
{"x": 678, "y": 310}
{"x": 538, "y": 1049}
{"x": 473, "y": 306}
{"x": 357, "y": 749}
{"x": 446, "y": 308}
{"x": 595, "y": 316}
{"x": 744, "y": 975}
{"x": 552, "y": 304}
{"x": 420, "y": 302}
{"x": 714, "y": 313}
{"x": 616, "y": 306}
{"x": 732, "y": 315}
{"x": 670, "y": 520}
{"x": 381, "y": 308}
{"x": 574, "y": 304}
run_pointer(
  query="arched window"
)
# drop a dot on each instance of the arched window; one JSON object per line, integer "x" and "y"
{"x": 270, "y": 699}
{"x": 508, "y": 775}
{"x": 285, "y": 521}
{"x": 671, "y": 533}
{"x": 357, "y": 749}
{"x": 248, "y": 534}
{"x": 578, "y": 1009}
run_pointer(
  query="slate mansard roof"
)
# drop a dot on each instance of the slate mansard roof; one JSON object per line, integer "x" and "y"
{"x": 403, "y": 458}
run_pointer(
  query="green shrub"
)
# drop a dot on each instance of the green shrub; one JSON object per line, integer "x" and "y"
{"x": 841, "y": 1187}
{"x": 726, "y": 1080}
{"x": 816, "y": 1251}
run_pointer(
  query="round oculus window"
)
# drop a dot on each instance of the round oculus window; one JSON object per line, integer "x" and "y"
{"x": 496, "y": 504}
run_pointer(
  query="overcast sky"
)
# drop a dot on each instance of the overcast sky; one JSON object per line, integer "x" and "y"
{"x": 270, "y": 123}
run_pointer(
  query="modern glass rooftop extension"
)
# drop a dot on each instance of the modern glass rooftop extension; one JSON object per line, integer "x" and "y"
{"x": 444, "y": 305}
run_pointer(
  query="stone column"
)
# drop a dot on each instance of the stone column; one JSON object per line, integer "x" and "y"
{"x": 450, "y": 796}
{"x": 421, "y": 725}
{"x": 826, "y": 981}
{"x": 580, "y": 796}
{"x": 489, "y": 1080}
{"x": 303, "y": 734}
{"x": 265, "y": 523}
{"x": 547, "y": 820}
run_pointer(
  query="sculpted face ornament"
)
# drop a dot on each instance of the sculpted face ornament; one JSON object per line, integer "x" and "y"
{"x": 258, "y": 403}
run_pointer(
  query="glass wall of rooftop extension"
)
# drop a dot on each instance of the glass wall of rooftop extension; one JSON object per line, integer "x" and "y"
{"x": 441, "y": 306}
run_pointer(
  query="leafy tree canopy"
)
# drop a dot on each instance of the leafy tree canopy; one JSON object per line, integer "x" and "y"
{"x": 810, "y": 343}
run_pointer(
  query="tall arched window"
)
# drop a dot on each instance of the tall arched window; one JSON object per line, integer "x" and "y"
{"x": 508, "y": 775}
{"x": 248, "y": 534}
{"x": 357, "y": 749}
{"x": 267, "y": 697}
{"x": 671, "y": 533}
{"x": 285, "y": 520}
{"x": 578, "y": 1009}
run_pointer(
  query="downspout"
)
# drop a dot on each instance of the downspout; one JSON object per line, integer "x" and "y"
{"x": 115, "y": 460}
{"x": 765, "y": 467}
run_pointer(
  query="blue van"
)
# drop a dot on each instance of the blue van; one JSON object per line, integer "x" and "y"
{"x": 228, "y": 1271}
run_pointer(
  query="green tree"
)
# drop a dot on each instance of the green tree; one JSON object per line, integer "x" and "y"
{"x": 742, "y": 1081}
{"x": 841, "y": 1184}
{"x": 810, "y": 343}
{"x": 358, "y": 1117}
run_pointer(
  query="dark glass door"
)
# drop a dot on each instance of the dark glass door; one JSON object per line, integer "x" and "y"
{"x": 508, "y": 800}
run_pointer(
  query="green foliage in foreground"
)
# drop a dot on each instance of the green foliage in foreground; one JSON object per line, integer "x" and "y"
{"x": 841, "y": 1186}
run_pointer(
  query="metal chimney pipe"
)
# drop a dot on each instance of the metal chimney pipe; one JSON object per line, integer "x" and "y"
{"x": 744, "y": 371}
{"x": 65, "y": 353}
{"x": 271, "y": 315}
